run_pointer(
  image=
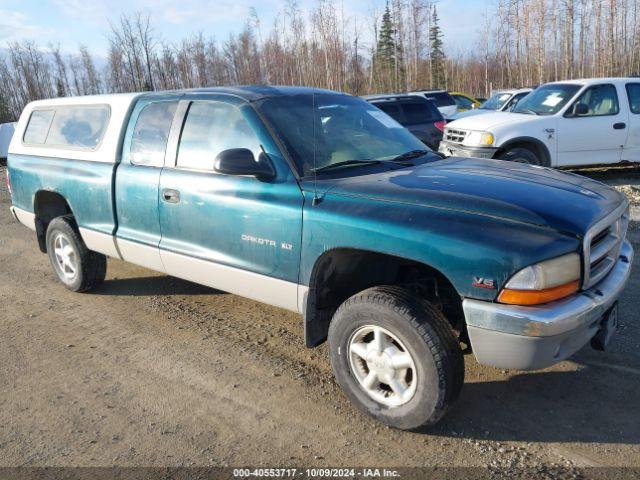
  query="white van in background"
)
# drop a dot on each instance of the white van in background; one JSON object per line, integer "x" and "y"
{"x": 561, "y": 124}
{"x": 6, "y": 133}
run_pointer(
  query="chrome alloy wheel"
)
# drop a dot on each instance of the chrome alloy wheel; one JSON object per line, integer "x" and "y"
{"x": 382, "y": 365}
{"x": 66, "y": 257}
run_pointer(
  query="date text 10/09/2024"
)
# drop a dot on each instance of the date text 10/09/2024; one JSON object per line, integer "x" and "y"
{"x": 316, "y": 472}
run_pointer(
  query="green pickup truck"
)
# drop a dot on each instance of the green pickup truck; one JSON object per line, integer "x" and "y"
{"x": 320, "y": 203}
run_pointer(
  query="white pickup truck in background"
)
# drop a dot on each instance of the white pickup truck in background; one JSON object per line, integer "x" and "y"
{"x": 561, "y": 124}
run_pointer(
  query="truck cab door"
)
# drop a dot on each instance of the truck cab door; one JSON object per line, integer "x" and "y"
{"x": 137, "y": 180}
{"x": 631, "y": 151}
{"x": 239, "y": 234}
{"x": 593, "y": 130}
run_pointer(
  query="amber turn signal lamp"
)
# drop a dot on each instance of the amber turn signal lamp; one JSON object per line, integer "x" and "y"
{"x": 537, "y": 297}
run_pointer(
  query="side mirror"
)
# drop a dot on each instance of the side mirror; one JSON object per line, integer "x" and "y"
{"x": 241, "y": 161}
{"x": 580, "y": 109}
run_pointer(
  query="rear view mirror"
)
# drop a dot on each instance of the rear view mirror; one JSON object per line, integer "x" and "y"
{"x": 241, "y": 161}
{"x": 580, "y": 109}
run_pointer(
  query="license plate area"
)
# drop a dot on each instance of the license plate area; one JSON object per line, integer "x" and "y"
{"x": 608, "y": 326}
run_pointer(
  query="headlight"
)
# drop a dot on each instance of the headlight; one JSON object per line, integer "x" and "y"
{"x": 543, "y": 282}
{"x": 478, "y": 139}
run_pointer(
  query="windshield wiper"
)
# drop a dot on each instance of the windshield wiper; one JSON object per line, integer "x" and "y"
{"x": 410, "y": 154}
{"x": 345, "y": 163}
{"x": 527, "y": 111}
{"x": 355, "y": 163}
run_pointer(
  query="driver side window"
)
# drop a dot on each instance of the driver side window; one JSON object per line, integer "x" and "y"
{"x": 601, "y": 100}
{"x": 210, "y": 128}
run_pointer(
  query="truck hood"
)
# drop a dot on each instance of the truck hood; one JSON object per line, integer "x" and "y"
{"x": 511, "y": 191}
{"x": 493, "y": 119}
{"x": 470, "y": 113}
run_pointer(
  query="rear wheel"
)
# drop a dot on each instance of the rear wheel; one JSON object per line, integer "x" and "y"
{"x": 396, "y": 357}
{"x": 78, "y": 268}
{"x": 520, "y": 155}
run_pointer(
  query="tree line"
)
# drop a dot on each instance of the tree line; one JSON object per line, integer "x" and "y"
{"x": 394, "y": 49}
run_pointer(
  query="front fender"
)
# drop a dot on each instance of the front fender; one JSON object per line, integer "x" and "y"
{"x": 462, "y": 246}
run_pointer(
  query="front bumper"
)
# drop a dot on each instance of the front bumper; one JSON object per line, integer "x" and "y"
{"x": 456, "y": 150}
{"x": 529, "y": 338}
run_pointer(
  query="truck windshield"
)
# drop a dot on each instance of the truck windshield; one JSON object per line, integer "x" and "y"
{"x": 496, "y": 102}
{"x": 547, "y": 99}
{"x": 347, "y": 129}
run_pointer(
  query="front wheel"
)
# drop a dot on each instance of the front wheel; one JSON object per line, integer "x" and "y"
{"x": 520, "y": 155}
{"x": 78, "y": 268}
{"x": 396, "y": 357}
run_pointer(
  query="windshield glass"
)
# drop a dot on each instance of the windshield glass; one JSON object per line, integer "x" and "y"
{"x": 346, "y": 128}
{"x": 547, "y": 99}
{"x": 441, "y": 99}
{"x": 496, "y": 102}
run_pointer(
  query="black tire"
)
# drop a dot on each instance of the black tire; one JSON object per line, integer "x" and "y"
{"x": 427, "y": 336}
{"x": 90, "y": 267}
{"x": 520, "y": 155}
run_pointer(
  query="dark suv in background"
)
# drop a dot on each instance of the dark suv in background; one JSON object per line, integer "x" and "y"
{"x": 420, "y": 116}
{"x": 442, "y": 99}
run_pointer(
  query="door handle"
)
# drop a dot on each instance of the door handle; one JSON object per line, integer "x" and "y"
{"x": 170, "y": 195}
{"x": 619, "y": 126}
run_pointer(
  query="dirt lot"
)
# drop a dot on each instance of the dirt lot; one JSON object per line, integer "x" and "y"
{"x": 151, "y": 370}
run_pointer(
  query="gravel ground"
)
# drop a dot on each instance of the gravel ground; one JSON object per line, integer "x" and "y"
{"x": 153, "y": 371}
{"x": 624, "y": 179}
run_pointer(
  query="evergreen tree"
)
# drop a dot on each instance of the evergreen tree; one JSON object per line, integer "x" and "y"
{"x": 385, "y": 53}
{"x": 437, "y": 57}
{"x": 387, "y": 62}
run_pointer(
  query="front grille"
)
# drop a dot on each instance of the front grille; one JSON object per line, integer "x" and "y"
{"x": 602, "y": 245}
{"x": 454, "y": 136}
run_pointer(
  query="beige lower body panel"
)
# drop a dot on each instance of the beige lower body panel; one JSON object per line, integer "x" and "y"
{"x": 262, "y": 288}
{"x": 272, "y": 291}
{"x": 303, "y": 291}
{"x": 100, "y": 242}
{"x": 26, "y": 218}
{"x": 143, "y": 255}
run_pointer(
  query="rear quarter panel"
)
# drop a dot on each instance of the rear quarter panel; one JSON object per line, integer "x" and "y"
{"x": 87, "y": 187}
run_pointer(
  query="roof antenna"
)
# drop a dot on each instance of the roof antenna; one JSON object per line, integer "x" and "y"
{"x": 316, "y": 198}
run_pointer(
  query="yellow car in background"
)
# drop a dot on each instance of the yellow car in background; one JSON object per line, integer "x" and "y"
{"x": 465, "y": 102}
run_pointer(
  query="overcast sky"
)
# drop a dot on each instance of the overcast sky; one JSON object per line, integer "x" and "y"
{"x": 72, "y": 22}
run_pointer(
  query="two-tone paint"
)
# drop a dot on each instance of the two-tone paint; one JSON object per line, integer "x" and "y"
{"x": 465, "y": 218}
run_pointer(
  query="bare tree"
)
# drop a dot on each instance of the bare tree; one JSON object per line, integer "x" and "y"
{"x": 521, "y": 42}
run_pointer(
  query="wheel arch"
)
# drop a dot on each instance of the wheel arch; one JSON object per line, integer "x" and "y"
{"x": 536, "y": 145}
{"x": 47, "y": 205}
{"x": 341, "y": 272}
